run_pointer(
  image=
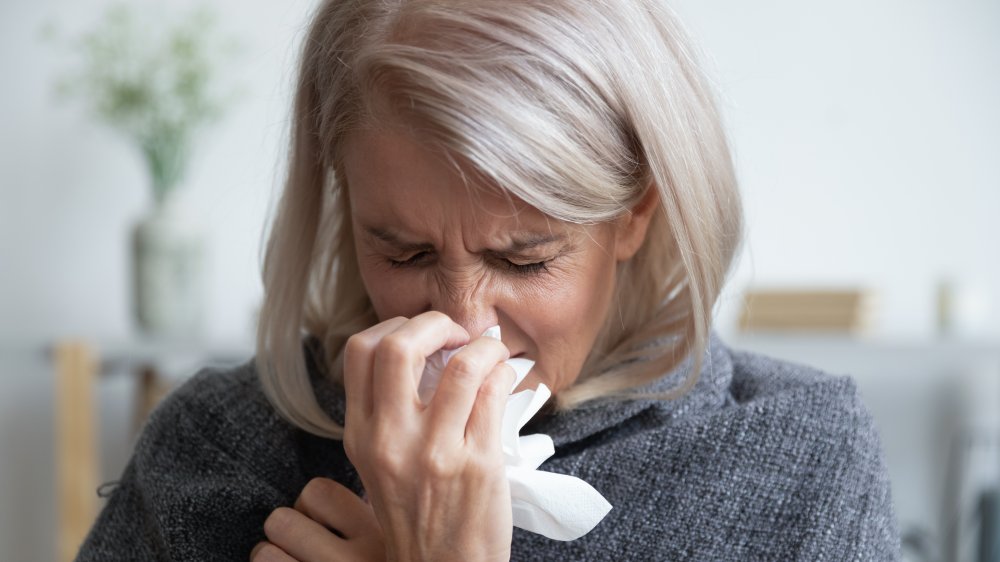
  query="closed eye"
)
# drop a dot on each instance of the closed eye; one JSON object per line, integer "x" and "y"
{"x": 420, "y": 258}
{"x": 413, "y": 260}
{"x": 524, "y": 268}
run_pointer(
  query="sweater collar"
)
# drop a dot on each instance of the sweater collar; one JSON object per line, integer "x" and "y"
{"x": 592, "y": 417}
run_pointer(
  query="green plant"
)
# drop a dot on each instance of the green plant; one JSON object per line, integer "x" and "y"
{"x": 154, "y": 83}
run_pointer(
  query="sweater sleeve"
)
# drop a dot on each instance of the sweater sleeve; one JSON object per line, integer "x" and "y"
{"x": 191, "y": 490}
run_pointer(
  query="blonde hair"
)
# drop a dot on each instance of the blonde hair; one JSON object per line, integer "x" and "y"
{"x": 575, "y": 106}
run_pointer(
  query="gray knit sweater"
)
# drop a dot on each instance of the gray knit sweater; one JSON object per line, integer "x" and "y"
{"x": 762, "y": 460}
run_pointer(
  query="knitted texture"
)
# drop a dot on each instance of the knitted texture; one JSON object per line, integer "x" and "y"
{"x": 762, "y": 460}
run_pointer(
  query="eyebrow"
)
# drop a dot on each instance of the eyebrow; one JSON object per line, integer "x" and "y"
{"x": 520, "y": 242}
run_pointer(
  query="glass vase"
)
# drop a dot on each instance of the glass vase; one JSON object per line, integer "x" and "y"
{"x": 168, "y": 251}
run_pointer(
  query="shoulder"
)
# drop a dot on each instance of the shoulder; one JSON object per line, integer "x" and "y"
{"x": 214, "y": 389}
{"x": 772, "y": 394}
{"x": 221, "y": 415}
{"x": 217, "y": 422}
{"x": 756, "y": 376}
{"x": 797, "y": 447}
{"x": 768, "y": 384}
{"x": 216, "y": 400}
{"x": 817, "y": 423}
{"x": 799, "y": 411}
{"x": 220, "y": 397}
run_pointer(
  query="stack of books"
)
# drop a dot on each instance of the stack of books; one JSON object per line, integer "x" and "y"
{"x": 845, "y": 311}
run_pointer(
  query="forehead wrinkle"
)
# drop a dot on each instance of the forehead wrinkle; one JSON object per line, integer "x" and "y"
{"x": 520, "y": 241}
{"x": 518, "y": 238}
{"x": 388, "y": 235}
{"x": 478, "y": 225}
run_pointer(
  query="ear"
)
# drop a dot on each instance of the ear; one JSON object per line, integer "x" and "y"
{"x": 631, "y": 227}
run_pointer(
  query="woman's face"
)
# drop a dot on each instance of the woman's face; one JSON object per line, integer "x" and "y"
{"x": 426, "y": 241}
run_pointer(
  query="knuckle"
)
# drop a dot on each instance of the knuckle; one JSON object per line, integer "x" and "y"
{"x": 437, "y": 316}
{"x": 495, "y": 344}
{"x": 387, "y": 458}
{"x": 351, "y": 446}
{"x": 496, "y": 386}
{"x": 504, "y": 379}
{"x": 358, "y": 345}
{"x": 438, "y": 463}
{"x": 382, "y": 459}
{"x": 394, "y": 348}
{"x": 278, "y": 522}
{"x": 382, "y": 439}
{"x": 465, "y": 367}
{"x": 390, "y": 465}
{"x": 316, "y": 489}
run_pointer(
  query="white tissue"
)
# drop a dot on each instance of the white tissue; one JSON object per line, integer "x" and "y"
{"x": 558, "y": 506}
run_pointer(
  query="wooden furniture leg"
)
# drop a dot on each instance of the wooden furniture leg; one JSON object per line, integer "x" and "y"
{"x": 76, "y": 444}
{"x": 151, "y": 390}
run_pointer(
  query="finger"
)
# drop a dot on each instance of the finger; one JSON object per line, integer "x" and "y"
{"x": 461, "y": 382}
{"x": 486, "y": 419}
{"x": 400, "y": 359}
{"x": 332, "y": 504}
{"x": 359, "y": 352}
{"x": 302, "y": 538}
{"x": 268, "y": 552}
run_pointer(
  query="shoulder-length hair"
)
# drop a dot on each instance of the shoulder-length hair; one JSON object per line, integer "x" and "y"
{"x": 577, "y": 107}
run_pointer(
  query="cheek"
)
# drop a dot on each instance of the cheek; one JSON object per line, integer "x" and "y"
{"x": 556, "y": 309}
{"x": 392, "y": 293}
{"x": 564, "y": 317}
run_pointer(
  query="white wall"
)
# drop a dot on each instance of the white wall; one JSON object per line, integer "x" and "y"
{"x": 866, "y": 136}
{"x": 71, "y": 189}
{"x": 865, "y": 133}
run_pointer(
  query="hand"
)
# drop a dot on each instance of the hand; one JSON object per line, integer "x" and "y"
{"x": 435, "y": 473}
{"x": 303, "y": 533}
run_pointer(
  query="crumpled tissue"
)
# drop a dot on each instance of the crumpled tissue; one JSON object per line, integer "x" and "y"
{"x": 558, "y": 506}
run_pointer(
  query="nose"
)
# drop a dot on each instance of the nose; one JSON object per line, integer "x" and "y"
{"x": 472, "y": 306}
{"x": 476, "y": 317}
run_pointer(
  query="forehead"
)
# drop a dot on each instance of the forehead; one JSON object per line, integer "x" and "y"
{"x": 397, "y": 183}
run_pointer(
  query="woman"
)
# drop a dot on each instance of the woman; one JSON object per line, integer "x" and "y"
{"x": 558, "y": 169}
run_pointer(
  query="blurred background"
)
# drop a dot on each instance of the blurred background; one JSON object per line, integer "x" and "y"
{"x": 865, "y": 134}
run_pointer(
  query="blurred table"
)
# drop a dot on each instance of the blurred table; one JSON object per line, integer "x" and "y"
{"x": 79, "y": 366}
